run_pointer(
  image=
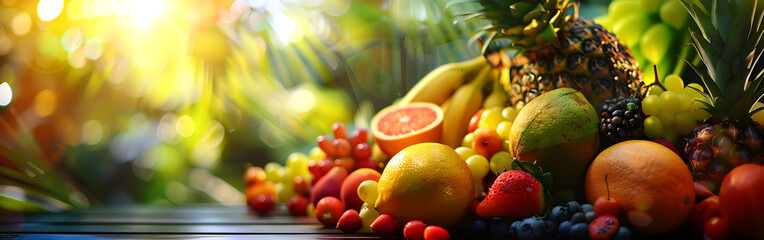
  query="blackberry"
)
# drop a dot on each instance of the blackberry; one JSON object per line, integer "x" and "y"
{"x": 620, "y": 120}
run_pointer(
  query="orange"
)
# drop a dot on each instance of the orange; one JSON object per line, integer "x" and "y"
{"x": 428, "y": 182}
{"x": 649, "y": 181}
{"x": 397, "y": 127}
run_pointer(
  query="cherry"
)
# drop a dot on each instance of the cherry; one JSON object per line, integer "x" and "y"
{"x": 433, "y": 232}
{"x": 716, "y": 228}
{"x": 342, "y": 147}
{"x": 360, "y": 135}
{"x": 297, "y": 205}
{"x": 340, "y": 131}
{"x": 361, "y": 151}
{"x": 326, "y": 145}
{"x": 414, "y": 230}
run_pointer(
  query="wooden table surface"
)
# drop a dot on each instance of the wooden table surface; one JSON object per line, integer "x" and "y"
{"x": 186, "y": 222}
{"x": 161, "y": 222}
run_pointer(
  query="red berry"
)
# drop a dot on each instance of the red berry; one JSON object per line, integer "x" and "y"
{"x": 342, "y": 147}
{"x": 350, "y": 221}
{"x": 297, "y": 205}
{"x": 361, "y": 151}
{"x": 716, "y": 229}
{"x": 301, "y": 186}
{"x": 605, "y": 206}
{"x": 264, "y": 204}
{"x": 345, "y": 162}
{"x": 414, "y": 230}
{"x": 384, "y": 226}
{"x": 367, "y": 163}
{"x": 473, "y": 125}
{"x": 325, "y": 165}
{"x": 433, "y": 232}
{"x": 487, "y": 142}
{"x": 603, "y": 227}
{"x": 314, "y": 169}
{"x": 340, "y": 131}
{"x": 326, "y": 145}
{"x": 329, "y": 210}
{"x": 360, "y": 135}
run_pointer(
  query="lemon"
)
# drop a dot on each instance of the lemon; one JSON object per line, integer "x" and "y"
{"x": 428, "y": 182}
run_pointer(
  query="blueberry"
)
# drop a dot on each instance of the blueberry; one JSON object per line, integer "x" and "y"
{"x": 587, "y": 207}
{"x": 578, "y": 217}
{"x": 618, "y": 113}
{"x": 479, "y": 227}
{"x": 551, "y": 229}
{"x": 579, "y": 231}
{"x": 530, "y": 229}
{"x": 513, "y": 228}
{"x": 590, "y": 216}
{"x": 564, "y": 228}
{"x": 560, "y": 213}
{"x": 573, "y": 207}
{"x": 622, "y": 234}
{"x": 497, "y": 227}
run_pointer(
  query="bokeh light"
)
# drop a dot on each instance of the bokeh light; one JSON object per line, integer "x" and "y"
{"x": 49, "y": 9}
{"x": 6, "y": 94}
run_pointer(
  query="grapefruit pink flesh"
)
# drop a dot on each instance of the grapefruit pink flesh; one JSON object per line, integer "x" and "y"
{"x": 397, "y": 127}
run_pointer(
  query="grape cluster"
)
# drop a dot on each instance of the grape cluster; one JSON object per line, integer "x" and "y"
{"x": 654, "y": 31}
{"x": 570, "y": 221}
{"x": 673, "y": 111}
{"x": 485, "y": 148}
{"x": 620, "y": 120}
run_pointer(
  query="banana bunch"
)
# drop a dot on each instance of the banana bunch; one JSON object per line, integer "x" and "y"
{"x": 460, "y": 89}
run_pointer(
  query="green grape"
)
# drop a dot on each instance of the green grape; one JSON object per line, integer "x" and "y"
{"x": 669, "y": 134}
{"x": 656, "y": 42}
{"x": 697, "y": 109}
{"x": 478, "y": 183}
{"x": 684, "y": 123}
{"x": 619, "y": 9}
{"x": 651, "y": 105}
{"x": 630, "y": 28}
{"x": 667, "y": 118}
{"x": 503, "y": 129}
{"x": 673, "y": 13}
{"x": 654, "y": 90}
{"x": 284, "y": 192}
{"x": 673, "y": 83}
{"x": 692, "y": 93}
{"x": 317, "y": 154}
{"x": 685, "y": 102}
{"x": 519, "y": 106}
{"x": 653, "y": 127}
{"x": 490, "y": 119}
{"x": 478, "y": 166}
{"x": 295, "y": 157}
{"x": 651, "y": 5}
{"x": 368, "y": 214}
{"x": 758, "y": 116}
{"x": 670, "y": 102}
{"x": 465, "y": 152}
{"x": 367, "y": 191}
{"x": 509, "y": 113}
{"x": 499, "y": 161}
{"x": 468, "y": 140}
{"x": 273, "y": 172}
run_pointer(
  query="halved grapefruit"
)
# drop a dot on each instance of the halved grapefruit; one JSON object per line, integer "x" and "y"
{"x": 397, "y": 127}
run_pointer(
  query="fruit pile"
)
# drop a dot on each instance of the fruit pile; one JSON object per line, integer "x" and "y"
{"x": 515, "y": 148}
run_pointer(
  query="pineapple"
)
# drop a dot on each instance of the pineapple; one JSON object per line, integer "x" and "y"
{"x": 551, "y": 49}
{"x": 730, "y": 46}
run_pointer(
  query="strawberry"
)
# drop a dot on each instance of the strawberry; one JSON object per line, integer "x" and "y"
{"x": 350, "y": 221}
{"x": 516, "y": 194}
{"x": 384, "y": 226}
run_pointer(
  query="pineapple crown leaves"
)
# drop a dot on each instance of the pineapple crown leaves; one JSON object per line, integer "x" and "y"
{"x": 521, "y": 24}
{"x": 728, "y": 39}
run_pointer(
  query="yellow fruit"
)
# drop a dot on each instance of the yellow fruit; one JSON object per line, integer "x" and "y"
{"x": 503, "y": 129}
{"x": 759, "y": 116}
{"x": 428, "y": 182}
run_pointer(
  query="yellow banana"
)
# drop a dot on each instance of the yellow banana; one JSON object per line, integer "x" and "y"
{"x": 441, "y": 82}
{"x": 447, "y": 103}
{"x": 466, "y": 101}
{"x": 498, "y": 97}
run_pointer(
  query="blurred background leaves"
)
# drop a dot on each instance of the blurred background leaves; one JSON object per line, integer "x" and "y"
{"x": 167, "y": 101}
